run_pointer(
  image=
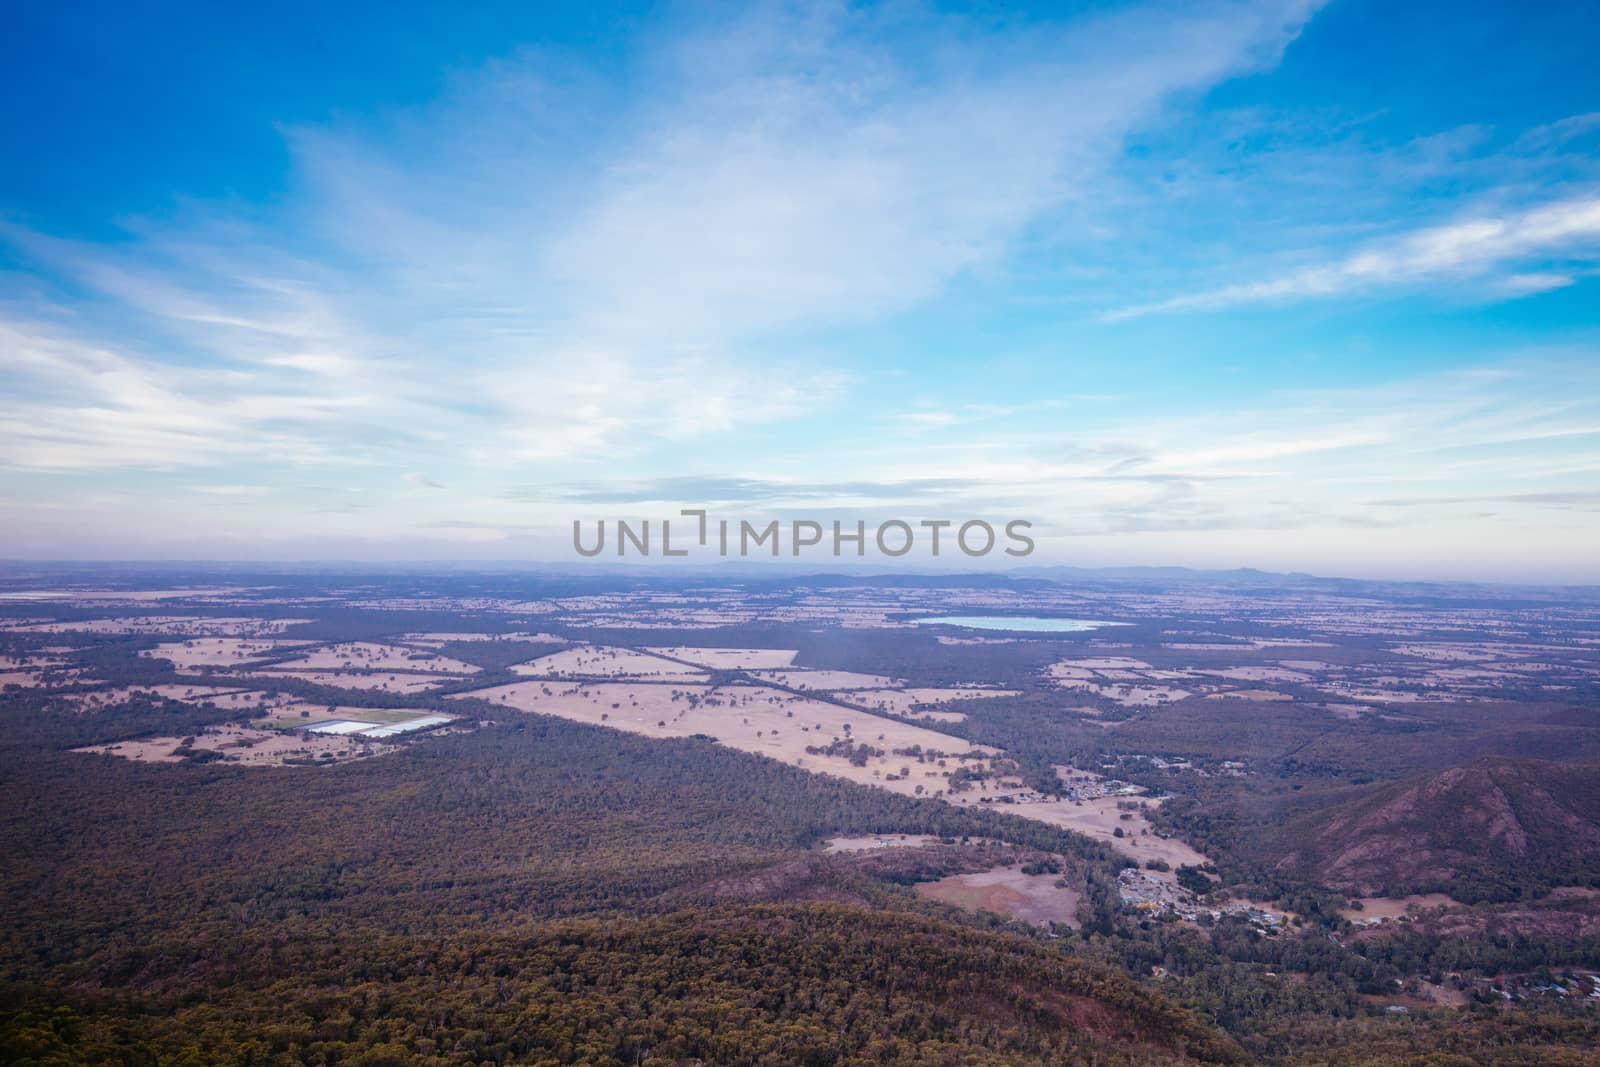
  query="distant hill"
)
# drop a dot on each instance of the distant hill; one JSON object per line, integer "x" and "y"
{"x": 1492, "y": 829}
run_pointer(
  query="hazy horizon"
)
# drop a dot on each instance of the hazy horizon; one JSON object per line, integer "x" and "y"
{"x": 747, "y": 569}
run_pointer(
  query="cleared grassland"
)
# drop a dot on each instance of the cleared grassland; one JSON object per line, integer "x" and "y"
{"x": 384, "y": 681}
{"x": 938, "y": 716}
{"x": 1256, "y": 674}
{"x": 219, "y": 696}
{"x": 1389, "y": 908}
{"x": 1100, "y": 819}
{"x": 247, "y": 746}
{"x": 872, "y": 842}
{"x": 371, "y": 656}
{"x": 434, "y": 640}
{"x": 301, "y": 713}
{"x": 1129, "y": 696}
{"x": 1257, "y": 695}
{"x": 176, "y": 625}
{"x": 827, "y": 681}
{"x": 1031, "y": 898}
{"x": 1107, "y": 663}
{"x": 902, "y": 701}
{"x": 751, "y": 718}
{"x": 604, "y": 661}
{"x": 732, "y": 659}
{"x": 220, "y": 651}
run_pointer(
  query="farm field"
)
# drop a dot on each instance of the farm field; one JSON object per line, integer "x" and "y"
{"x": 1383, "y": 909}
{"x": 752, "y": 718}
{"x": 1100, "y": 819}
{"x": 1129, "y": 696}
{"x": 872, "y": 842}
{"x": 298, "y": 715}
{"x": 434, "y": 640}
{"x": 730, "y": 659}
{"x": 605, "y": 662}
{"x": 1251, "y": 694}
{"x": 826, "y": 681}
{"x": 242, "y": 745}
{"x": 371, "y": 656}
{"x": 167, "y": 624}
{"x": 905, "y": 701}
{"x": 219, "y": 696}
{"x": 385, "y": 681}
{"x": 1008, "y": 891}
{"x": 221, "y": 651}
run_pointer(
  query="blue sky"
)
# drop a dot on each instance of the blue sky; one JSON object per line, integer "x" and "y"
{"x": 1276, "y": 284}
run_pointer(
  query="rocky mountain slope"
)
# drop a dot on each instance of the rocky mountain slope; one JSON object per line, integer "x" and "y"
{"x": 1492, "y": 829}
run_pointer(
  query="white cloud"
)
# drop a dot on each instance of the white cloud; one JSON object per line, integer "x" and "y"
{"x": 533, "y": 269}
{"x": 1525, "y": 432}
{"x": 1467, "y": 248}
{"x": 799, "y": 174}
{"x": 1531, "y": 282}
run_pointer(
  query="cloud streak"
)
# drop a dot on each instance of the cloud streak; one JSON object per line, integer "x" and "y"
{"x": 1465, "y": 249}
{"x": 733, "y": 490}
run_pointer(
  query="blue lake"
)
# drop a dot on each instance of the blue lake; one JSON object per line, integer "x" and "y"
{"x": 1026, "y": 623}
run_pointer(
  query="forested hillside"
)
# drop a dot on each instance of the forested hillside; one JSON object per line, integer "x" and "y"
{"x": 757, "y": 985}
{"x": 1493, "y": 829}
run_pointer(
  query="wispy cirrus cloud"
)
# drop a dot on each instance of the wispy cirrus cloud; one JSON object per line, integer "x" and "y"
{"x": 441, "y": 279}
{"x": 1466, "y": 249}
{"x": 800, "y": 172}
{"x": 718, "y": 489}
{"x": 1574, "y": 498}
{"x": 1303, "y": 460}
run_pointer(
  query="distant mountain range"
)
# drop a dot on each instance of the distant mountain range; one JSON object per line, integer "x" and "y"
{"x": 951, "y": 571}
